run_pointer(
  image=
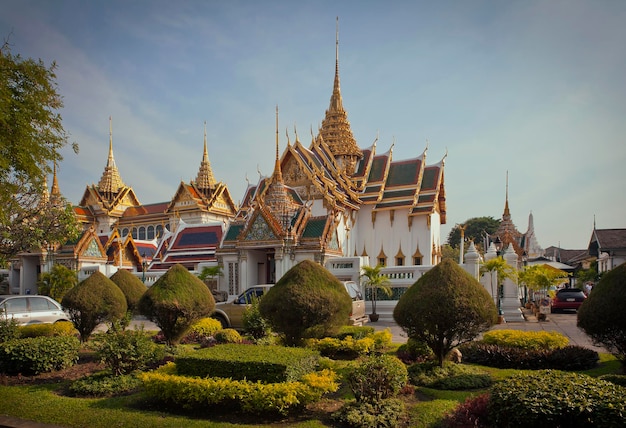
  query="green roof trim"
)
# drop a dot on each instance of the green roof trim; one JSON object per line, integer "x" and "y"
{"x": 315, "y": 227}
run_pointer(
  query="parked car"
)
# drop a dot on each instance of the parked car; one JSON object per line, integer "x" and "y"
{"x": 567, "y": 298}
{"x": 32, "y": 309}
{"x": 230, "y": 314}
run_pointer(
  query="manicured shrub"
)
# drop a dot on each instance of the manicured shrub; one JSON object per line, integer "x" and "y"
{"x": 376, "y": 378}
{"x": 36, "y": 355}
{"x": 473, "y": 412}
{"x": 364, "y": 414}
{"x": 505, "y": 357}
{"x": 617, "y": 379}
{"x": 9, "y": 328}
{"x": 602, "y": 315}
{"x": 254, "y": 363}
{"x": 131, "y": 286}
{"x": 202, "y": 331}
{"x": 124, "y": 351}
{"x": 550, "y": 398}
{"x": 451, "y": 376}
{"x": 175, "y": 301}
{"x": 356, "y": 331}
{"x": 414, "y": 351}
{"x": 444, "y": 308}
{"x": 228, "y": 335}
{"x": 349, "y": 347}
{"x": 253, "y": 322}
{"x": 542, "y": 340}
{"x": 251, "y": 397}
{"x": 104, "y": 385}
{"x": 61, "y": 328}
{"x": 307, "y": 302}
{"x": 93, "y": 301}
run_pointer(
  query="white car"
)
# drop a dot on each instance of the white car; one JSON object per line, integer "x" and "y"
{"x": 32, "y": 309}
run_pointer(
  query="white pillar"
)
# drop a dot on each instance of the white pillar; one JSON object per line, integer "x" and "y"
{"x": 472, "y": 261}
{"x": 511, "y": 299}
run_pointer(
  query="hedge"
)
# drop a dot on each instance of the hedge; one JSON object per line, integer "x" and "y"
{"x": 36, "y": 355}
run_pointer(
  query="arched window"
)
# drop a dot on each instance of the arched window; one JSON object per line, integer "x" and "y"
{"x": 124, "y": 232}
{"x": 159, "y": 231}
{"x": 150, "y": 232}
{"x": 134, "y": 233}
{"x": 142, "y": 233}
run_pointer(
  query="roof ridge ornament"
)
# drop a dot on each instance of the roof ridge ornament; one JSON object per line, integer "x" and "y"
{"x": 205, "y": 179}
{"x": 111, "y": 181}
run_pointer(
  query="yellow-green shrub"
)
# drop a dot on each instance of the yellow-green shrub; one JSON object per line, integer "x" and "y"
{"x": 228, "y": 335}
{"x": 545, "y": 340}
{"x": 205, "y": 327}
{"x": 348, "y": 347}
{"x": 252, "y": 397}
{"x": 61, "y": 328}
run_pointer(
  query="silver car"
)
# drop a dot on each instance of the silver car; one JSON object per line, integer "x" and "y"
{"x": 32, "y": 309}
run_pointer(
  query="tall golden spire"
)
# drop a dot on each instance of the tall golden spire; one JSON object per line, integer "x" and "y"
{"x": 278, "y": 175}
{"x": 110, "y": 182}
{"x": 335, "y": 130}
{"x": 205, "y": 179}
{"x": 507, "y": 213}
{"x": 55, "y": 192}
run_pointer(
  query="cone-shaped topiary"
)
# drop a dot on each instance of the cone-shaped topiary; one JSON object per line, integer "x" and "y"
{"x": 131, "y": 286}
{"x": 308, "y": 301}
{"x": 93, "y": 301}
{"x": 602, "y": 314}
{"x": 175, "y": 301}
{"x": 445, "y": 308}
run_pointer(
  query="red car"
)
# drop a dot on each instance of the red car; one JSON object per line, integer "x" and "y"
{"x": 567, "y": 298}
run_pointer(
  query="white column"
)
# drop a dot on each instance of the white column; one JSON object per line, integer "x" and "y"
{"x": 511, "y": 299}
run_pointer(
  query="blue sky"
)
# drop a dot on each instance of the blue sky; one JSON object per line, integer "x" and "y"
{"x": 535, "y": 88}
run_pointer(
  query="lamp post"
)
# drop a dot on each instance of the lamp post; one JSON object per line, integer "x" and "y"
{"x": 144, "y": 264}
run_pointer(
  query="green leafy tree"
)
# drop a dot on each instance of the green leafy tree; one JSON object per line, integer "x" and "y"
{"x": 175, "y": 302}
{"x": 94, "y": 301}
{"x": 375, "y": 281}
{"x": 503, "y": 271}
{"x": 449, "y": 252}
{"x": 602, "y": 315}
{"x": 444, "y": 308}
{"x": 210, "y": 273}
{"x": 131, "y": 286}
{"x": 31, "y": 137}
{"x": 475, "y": 229}
{"x": 57, "y": 282}
{"x": 541, "y": 277}
{"x": 307, "y": 302}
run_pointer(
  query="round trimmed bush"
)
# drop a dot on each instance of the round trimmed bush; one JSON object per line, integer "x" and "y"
{"x": 228, "y": 335}
{"x": 131, "y": 286}
{"x": 307, "y": 302}
{"x": 93, "y": 301}
{"x": 376, "y": 378}
{"x": 175, "y": 301}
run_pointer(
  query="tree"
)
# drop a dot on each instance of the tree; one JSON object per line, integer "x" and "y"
{"x": 307, "y": 302}
{"x": 209, "y": 273}
{"x": 31, "y": 137}
{"x": 475, "y": 229}
{"x": 175, "y": 301}
{"x": 57, "y": 282}
{"x": 375, "y": 281}
{"x": 449, "y": 252}
{"x": 94, "y": 301}
{"x": 503, "y": 271}
{"x": 602, "y": 314}
{"x": 444, "y": 308}
{"x": 131, "y": 286}
{"x": 541, "y": 277}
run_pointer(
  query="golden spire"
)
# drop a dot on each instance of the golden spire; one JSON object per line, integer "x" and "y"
{"x": 55, "y": 192}
{"x": 507, "y": 213}
{"x": 335, "y": 130}
{"x": 110, "y": 182}
{"x": 278, "y": 175}
{"x": 205, "y": 179}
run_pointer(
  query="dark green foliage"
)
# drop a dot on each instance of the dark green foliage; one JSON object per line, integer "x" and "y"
{"x": 131, "y": 286}
{"x": 473, "y": 412}
{"x": 36, "y": 355}
{"x": 376, "y": 378}
{"x": 451, "y": 376}
{"x": 175, "y": 301}
{"x": 253, "y": 322}
{"x": 9, "y": 328}
{"x": 556, "y": 399}
{"x": 307, "y": 302}
{"x": 444, "y": 308}
{"x": 254, "y": 363}
{"x": 364, "y": 414}
{"x": 124, "y": 351}
{"x": 475, "y": 229}
{"x": 93, "y": 301}
{"x": 104, "y": 385}
{"x": 602, "y": 315}
{"x": 617, "y": 379}
{"x": 507, "y": 357}
{"x": 414, "y": 351}
{"x": 357, "y": 332}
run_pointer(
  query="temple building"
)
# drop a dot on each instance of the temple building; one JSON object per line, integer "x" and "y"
{"x": 333, "y": 199}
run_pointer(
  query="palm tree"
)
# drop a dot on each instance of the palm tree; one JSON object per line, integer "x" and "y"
{"x": 376, "y": 281}
{"x": 503, "y": 270}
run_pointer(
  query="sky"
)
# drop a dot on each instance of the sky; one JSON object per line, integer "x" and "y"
{"x": 534, "y": 90}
